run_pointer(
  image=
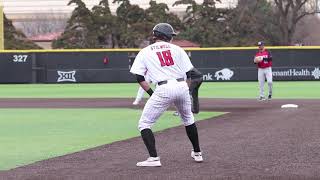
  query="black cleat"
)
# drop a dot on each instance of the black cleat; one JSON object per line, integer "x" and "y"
{"x": 269, "y": 97}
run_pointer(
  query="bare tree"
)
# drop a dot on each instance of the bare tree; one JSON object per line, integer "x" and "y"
{"x": 41, "y": 24}
{"x": 308, "y": 31}
{"x": 290, "y": 12}
{"x": 243, "y": 6}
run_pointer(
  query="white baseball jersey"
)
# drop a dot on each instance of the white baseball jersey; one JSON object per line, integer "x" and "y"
{"x": 164, "y": 62}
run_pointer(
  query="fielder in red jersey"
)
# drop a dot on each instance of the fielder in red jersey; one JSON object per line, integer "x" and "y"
{"x": 264, "y": 69}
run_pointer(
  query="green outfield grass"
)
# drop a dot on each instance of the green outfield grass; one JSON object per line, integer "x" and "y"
{"x": 291, "y": 89}
{"x": 29, "y": 135}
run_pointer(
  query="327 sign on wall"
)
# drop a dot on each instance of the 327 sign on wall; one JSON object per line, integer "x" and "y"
{"x": 21, "y": 58}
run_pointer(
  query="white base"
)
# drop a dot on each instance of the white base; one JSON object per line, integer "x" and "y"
{"x": 289, "y": 106}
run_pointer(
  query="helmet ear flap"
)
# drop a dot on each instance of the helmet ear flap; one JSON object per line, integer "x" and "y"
{"x": 155, "y": 33}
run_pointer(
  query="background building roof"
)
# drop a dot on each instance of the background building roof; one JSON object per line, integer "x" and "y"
{"x": 46, "y": 37}
{"x": 185, "y": 43}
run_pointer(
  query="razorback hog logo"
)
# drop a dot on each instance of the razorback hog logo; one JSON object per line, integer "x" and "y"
{"x": 66, "y": 76}
{"x": 224, "y": 74}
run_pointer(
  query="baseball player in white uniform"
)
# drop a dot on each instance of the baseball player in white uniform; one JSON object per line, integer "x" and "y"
{"x": 169, "y": 67}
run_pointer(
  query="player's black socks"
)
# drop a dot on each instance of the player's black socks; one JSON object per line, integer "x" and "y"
{"x": 192, "y": 133}
{"x": 149, "y": 141}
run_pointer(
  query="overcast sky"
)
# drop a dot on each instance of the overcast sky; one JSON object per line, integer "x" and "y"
{"x": 41, "y": 6}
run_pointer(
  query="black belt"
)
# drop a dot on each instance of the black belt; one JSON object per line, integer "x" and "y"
{"x": 166, "y": 81}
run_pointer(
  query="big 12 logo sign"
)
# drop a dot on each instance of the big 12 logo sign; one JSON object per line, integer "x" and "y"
{"x": 66, "y": 76}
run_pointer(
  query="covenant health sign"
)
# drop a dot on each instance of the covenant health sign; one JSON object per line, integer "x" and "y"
{"x": 251, "y": 74}
{"x": 308, "y": 73}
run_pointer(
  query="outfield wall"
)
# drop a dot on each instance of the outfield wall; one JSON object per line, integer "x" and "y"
{"x": 112, "y": 65}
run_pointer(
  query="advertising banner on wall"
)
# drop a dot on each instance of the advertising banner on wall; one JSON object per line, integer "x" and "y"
{"x": 296, "y": 73}
{"x": 89, "y": 76}
{"x": 224, "y": 74}
{"x": 250, "y": 74}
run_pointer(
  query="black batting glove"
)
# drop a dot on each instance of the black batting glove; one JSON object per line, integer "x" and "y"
{"x": 150, "y": 92}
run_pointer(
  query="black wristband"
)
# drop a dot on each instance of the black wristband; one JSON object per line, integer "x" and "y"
{"x": 150, "y": 91}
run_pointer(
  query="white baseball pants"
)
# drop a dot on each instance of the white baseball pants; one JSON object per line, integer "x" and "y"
{"x": 263, "y": 74}
{"x": 173, "y": 92}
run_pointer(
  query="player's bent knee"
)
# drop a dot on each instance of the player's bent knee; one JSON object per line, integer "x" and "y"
{"x": 142, "y": 126}
{"x": 188, "y": 122}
